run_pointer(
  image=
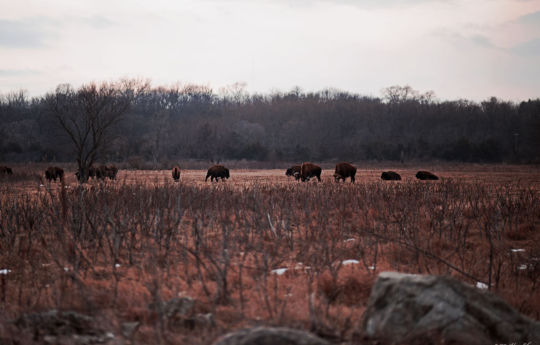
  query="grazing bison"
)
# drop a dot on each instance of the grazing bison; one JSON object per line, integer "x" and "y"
{"x": 111, "y": 172}
{"x": 91, "y": 173}
{"x": 426, "y": 175}
{"x": 101, "y": 172}
{"x": 344, "y": 170}
{"x": 294, "y": 171}
{"x": 390, "y": 176}
{"x": 309, "y": 170}
{"x": 5, "y": 171}
{"x": 216, "y": 172}
{"x": 176, "y": 173}
{"x": 53, "y": 173}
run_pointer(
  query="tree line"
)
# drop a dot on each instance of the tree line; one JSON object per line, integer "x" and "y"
{"x": 130, "y": 120}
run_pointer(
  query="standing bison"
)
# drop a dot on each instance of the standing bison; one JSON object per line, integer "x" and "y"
{"x": 309, "y": 170}
{"x": 294, "y": 171}
{"x": 111, "y": 172}
{"x": 426, "y": 175}
{"x": 216, "y": 172}
{"x": 53, "y": 173}
{"x": 344, "y": 170}
{"x": 5, "y": 171}
{"x": 100, "y": 172}
{"x": 390, "y": 176}
{"x": 176, "y": 173}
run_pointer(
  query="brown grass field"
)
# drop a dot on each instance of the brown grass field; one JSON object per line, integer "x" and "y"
{"x": 117, "y": 250}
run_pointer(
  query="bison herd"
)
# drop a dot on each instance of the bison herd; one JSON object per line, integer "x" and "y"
{"x": 5, "y": 171}
{"x": 304, "y": 172}
{"x": 99, "y": 173}
{"x": 346, "y": 170}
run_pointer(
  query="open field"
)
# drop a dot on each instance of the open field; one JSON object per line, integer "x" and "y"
{"x": 259, "y": 248}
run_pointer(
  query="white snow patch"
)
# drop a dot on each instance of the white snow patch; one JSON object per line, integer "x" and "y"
{"x": 279, "y": 271}
{"x": 519, "y": 250}
{"x": 5, "y": 271}
{"x": 350, "y": 240}
{"x": 522, "y": 267}
{"x": 481, "y": 285}
{"x": 66, "y": 269}
{"x": 117, "y": 265}
{"x": 42, "y": 185}
{"x": 350, "y": 262}
{"x": 371, "y": 268}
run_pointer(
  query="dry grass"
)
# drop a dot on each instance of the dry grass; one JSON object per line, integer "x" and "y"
{"x": 113, "y": 249}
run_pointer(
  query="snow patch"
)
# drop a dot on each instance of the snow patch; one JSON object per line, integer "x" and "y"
{"x": 279, "y": 271}
{"x": 481, "y": 286}
{"x": 350, "y": 262}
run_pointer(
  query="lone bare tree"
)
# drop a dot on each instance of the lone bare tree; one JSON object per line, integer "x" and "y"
{"x": 87, "y": 114}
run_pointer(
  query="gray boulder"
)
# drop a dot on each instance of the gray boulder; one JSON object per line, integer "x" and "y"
{"x": 416, "y": 309}
{"x": 59, "y": 327}
{"x": 270, "y": 336}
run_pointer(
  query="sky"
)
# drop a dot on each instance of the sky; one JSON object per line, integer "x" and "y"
{"x": 459, "y": 49}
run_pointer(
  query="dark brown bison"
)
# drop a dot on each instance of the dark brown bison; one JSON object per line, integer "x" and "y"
{"x": 101, "y": 172}
{"x": 390, "y": 176}
{"x": 91, "y": 173}
{"x": 344, "y": 170}
{"x": 53, "y": 173}
{"x": 309, "y": 170}
{"x": 294, "y": 171}
{"x": 111, "y": 172}
{"x": 216, "y": 172}
{"x": 426, "y": 175}
{"x": 5, "y": 171}
{"x": 176, "y": 173}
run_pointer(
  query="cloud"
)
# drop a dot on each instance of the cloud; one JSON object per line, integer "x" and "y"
{"x": 482, "y": 41}
{"x": 532, "y": 20}
{"x": 18, "y": 72}
{"x": 21, "y": 34}
{"x": 531, "y": 47}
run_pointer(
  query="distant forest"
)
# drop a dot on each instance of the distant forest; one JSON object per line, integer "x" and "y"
{"x": 165, "y": 124}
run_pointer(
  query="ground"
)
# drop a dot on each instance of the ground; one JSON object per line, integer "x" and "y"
{"x": 259, "y": 248}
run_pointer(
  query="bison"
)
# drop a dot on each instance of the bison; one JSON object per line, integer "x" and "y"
{"x": 101, "y": 172}
{"x": 294, "y": 171}
{"x": 426, "y": 175}
{"x": 53, "y": 173}
{"x": 111, "y": 172}
{"x": 5, "y": 171}
{"x": 176, "y": 173}
{"x": 91, "y": 174}
{"x": 309, "y": 170}
{"x": 344, "y": 170}
{"x": 390, "y": 176}
{"x": 217, "y": 171}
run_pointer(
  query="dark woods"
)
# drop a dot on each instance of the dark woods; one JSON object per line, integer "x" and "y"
{"x": 194, "y": 122}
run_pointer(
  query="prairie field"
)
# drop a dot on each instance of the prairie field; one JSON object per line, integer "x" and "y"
{"x": 259, "y": 248}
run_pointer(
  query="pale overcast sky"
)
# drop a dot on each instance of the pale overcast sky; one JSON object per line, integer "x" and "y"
{"x": 459, "y": 49}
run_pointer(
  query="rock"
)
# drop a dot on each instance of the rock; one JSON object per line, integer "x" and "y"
{"x": 410, "y": 309}
{"x": 179, "y": 307}
{"x": 200, "y": 321}
{"x": 54, "y": 327}
{"x": 270, "y": 336}
{"x": 129, "y": 328}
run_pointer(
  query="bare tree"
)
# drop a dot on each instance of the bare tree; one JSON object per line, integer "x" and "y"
{"x": 87, "y": 114}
